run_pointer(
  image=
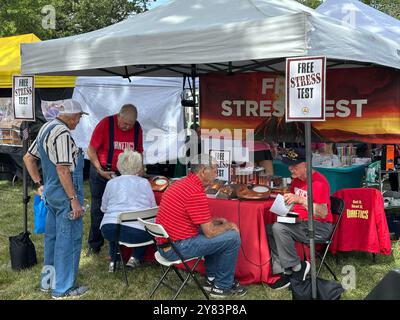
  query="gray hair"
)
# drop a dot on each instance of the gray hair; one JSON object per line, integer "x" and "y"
{"x": 129, "y": 112}
{"x": 200, "y": 161}
{"x": 129, "y": 162}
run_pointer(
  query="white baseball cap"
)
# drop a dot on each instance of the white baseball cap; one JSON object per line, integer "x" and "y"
{"x": 70, "y": 106}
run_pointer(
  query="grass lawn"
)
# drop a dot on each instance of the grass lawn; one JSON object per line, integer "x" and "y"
{"x": 103, "y": 285}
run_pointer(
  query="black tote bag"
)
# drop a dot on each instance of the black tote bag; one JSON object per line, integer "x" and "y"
{"x": 22, "y": 251}
{"x": 326, "y": 289}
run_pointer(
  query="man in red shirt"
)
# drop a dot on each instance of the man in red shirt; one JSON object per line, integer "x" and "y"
{"x": 282, "y": 236}
{"x": 186, "y": 216}
{"x": 111, "y": 137}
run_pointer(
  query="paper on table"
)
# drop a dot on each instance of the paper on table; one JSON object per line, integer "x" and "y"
{"x": 279, "y": 207}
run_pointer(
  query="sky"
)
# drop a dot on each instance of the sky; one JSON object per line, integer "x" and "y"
{"x": 157, "y": 3}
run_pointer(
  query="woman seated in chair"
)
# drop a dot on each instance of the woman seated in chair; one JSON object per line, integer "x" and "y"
{"x": 128, "y": 192}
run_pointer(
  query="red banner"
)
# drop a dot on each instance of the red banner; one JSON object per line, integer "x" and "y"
{"x": 362, "y": 104}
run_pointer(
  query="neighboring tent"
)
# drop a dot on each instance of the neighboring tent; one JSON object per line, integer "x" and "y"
{"x": 201, "y": 36}
{"x": 47, "y": 88}
{"x": 360, "y": 15}
{"x": 10, "y": 64}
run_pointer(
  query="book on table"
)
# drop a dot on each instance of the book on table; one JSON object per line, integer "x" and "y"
{"x": 291, "y": 217}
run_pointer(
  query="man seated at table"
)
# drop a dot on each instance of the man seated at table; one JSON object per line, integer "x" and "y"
{"x": 282, "y": 236}
{"x": 186, "y": 216}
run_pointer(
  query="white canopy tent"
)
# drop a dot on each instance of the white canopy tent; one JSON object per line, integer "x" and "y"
{"x": 194, "y": 37}
{"x": 360, "y": 15}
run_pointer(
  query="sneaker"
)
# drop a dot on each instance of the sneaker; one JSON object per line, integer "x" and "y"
{"x": 76, "y": 292}
{"x": 208, "y": 284}
{"x": 302, "y": 273}
{"x": 235, "y": 290}
{"x": 133, "y": 262}
{"x": 282, "y": 283}
{"x": 92, "y": 251}
{"x": 113, "y": 266}
{"x": 45, "y": 290}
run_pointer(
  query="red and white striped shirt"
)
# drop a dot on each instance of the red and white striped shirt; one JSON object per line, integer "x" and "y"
{"x": 183, "y": 208}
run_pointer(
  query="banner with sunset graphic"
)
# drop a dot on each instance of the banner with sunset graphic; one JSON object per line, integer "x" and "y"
{"x": 362, "y": 104}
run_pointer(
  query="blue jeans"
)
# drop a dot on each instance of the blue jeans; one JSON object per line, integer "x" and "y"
{"x": 62, "y": 246}
{"x": 128, "y": 235}
{"x": 220, "y": 254}
{"x": 97, "y": 186}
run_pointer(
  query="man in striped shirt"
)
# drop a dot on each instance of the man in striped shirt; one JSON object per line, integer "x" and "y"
{"x": 186, "y": 216}
{"x": 62, "y": 166}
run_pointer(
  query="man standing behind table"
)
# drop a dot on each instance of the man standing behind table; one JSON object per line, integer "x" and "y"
{"x": 186, "y": 216}
{"x": 62, "y": 167}
{"x": 282, "y": 236}
{"x": 111, "y": 136}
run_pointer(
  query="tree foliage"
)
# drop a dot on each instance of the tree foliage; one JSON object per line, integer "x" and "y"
{"x": 70, "y": 17}
{"x": 390, "y": 7}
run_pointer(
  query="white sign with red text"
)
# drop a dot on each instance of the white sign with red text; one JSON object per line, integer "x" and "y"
{"x": 305, "y": 89}
{"x": 23, "y": 98}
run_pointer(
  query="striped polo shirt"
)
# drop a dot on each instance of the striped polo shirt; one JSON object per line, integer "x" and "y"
{"x": 183, "y": 208}
{"x": 58, "y": 145}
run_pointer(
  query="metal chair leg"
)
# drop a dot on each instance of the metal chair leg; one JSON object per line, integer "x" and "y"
{"x": 123, "y": 264}
{"x": 178, "y": 273}
{"x": 326, "y": 264}
{"x": 159, "y": 282}
{"x": 191, "y": 275}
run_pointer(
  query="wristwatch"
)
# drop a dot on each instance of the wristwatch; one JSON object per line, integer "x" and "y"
{"x": 73, "y": 197}
{"x": 38, "y": 184}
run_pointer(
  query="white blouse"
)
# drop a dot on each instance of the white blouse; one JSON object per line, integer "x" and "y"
{"x": 126, "y": 193}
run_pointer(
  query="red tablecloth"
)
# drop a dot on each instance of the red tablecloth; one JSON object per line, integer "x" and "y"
{"x": 253, "y": 264}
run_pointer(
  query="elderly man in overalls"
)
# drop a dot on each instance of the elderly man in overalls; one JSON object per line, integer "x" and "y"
{"x": 62, "y": 167}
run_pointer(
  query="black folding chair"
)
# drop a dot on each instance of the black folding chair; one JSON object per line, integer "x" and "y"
{"x": 337, "y": 208}
{"x": 157, "y": 230}
{"x": 130, "y": 217}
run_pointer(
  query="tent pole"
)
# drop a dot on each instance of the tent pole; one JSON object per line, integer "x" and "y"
{"x": 307, "y": 125}
{"x": 194, "y": 92}
{"x": 26, "y": 197}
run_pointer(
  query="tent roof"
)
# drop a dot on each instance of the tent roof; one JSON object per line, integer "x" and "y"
{"x": 363, "y": 16}
{"x": 10, "y": 63}
{"x": 214, "y": 35}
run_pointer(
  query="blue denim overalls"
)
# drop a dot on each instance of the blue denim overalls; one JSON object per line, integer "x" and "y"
{"x": 63, "y": 237}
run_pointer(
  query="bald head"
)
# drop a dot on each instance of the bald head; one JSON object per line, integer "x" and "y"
{"x": 127, "y": 117}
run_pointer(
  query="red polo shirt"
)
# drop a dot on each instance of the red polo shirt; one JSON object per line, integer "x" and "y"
{"x": 122, "y": 140}
{"x": 183, "y": 208}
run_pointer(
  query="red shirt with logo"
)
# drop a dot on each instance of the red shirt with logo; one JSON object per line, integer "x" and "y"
{"x": 122, "y": 140}
{"x": 183, "y": 208}
{"x": 321, "y": 195}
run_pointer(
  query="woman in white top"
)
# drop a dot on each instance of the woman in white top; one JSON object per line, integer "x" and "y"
{"x": 128, "y": 192}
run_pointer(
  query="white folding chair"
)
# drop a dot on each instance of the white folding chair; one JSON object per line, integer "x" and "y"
{"x": 131, "y": 216}
{"x": 157, "y": 230}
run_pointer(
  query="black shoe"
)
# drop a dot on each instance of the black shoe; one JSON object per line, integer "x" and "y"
{"x": 302, "y": 273}
{"x": 236, "y": 290}
{"x": 134, "y": 262}
{"x": 208, "y": 284}
{"x": 92, "y": 251}
{"x": 282, "y": 283}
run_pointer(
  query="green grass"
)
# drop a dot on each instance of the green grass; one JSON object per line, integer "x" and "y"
{"x": 103, "y": 285}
